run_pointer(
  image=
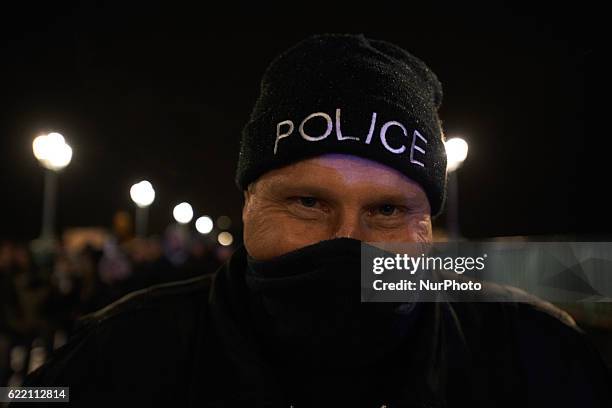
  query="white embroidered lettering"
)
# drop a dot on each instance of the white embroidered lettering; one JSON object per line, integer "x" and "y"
{"x": 372, "y": 126}
{"x": 339, "y": 131}
{"x": 383, "y": 136}
{"x": 417, "y": 148}
{"x": 324, "y": 135}
{"x": 285, "y": 129}
{"x": 280, "y": 135}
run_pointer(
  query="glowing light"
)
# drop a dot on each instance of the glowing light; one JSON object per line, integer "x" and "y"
{"x": 183, "y": 213}
{"x": 224, "y": 222}
{"x": 456, "y": 153}
{"x": 142, "y": 193}
{"x": 204, "y": 224}
{"x": 225, "y": 238}
{"x": 52, "y": 151}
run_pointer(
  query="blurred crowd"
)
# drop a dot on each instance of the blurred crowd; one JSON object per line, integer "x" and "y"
{"x": 43, "y": 291}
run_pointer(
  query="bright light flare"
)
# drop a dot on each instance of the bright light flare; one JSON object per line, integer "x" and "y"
{"x": 204, "y": 225}
{"x": 456, "y": 153}
{"x": 142, "y": 193}
{"x": 52, "y": 151}
{"x": 225, "y": 238}
{"x": 183, "y": 213}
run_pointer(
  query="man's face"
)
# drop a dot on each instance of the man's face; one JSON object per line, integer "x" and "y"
{"x": 332, "y": 196}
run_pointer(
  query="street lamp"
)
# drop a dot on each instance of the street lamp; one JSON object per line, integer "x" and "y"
{"x": 225, "y": 238}
{"x": 53, "y": 153}
{"x": 183, "y": 213}
{"x": 456, "y": 153}
{"x": 143, "y": 195}
{"x": 224, "y": 222}
{"x": 204, "y": 225}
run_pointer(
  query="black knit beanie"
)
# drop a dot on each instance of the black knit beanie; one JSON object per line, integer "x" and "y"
{"x": 338, "y": 93}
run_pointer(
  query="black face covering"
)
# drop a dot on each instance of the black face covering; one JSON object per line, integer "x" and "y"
{"x": 307, "y": 309}
{"x": 295, "y": 327}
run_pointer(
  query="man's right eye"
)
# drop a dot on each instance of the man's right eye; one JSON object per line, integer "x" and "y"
{"x": 308, "y": 201}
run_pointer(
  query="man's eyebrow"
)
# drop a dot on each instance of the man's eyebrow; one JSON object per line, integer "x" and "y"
{"x": 394, "y": 198}
{"x": 300, "y": 188}
{"x": 317, "y": 190}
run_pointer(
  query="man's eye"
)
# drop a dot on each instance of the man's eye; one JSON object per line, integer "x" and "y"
{"x": 308, "y": 201}
{"x": 387, "y": 210}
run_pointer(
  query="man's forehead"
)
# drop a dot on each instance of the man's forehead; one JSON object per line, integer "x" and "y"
{"x": 335, "y": 170}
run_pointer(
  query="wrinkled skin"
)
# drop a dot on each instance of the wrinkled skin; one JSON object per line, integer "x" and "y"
{"x": 332, "y": 196}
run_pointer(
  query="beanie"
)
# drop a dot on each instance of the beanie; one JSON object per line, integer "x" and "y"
{"x": 343, "y": 93}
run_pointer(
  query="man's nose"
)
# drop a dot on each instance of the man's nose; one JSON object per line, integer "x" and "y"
{"x": 349, "y": 225}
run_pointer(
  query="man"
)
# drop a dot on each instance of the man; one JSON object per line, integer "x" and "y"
{"x": 344, "y": 146}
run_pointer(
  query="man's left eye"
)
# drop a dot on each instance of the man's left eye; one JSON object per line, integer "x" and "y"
{"x": 308, "y": 201}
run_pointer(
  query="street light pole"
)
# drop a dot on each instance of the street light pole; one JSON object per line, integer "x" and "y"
{"x": 49, "y": 204}
{"x": 183, "y": 214}
{"x": 143, "y": 195}
{"x": 456, "y": 153}
{"x": 54, "y": 154}
{"x": 453, "y": 206}
{"x": 142, "y": 215}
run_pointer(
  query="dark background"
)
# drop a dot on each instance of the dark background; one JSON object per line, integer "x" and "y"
{"x": 162, "y": 93}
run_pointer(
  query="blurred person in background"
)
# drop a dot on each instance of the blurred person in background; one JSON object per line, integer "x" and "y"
{"x": 344, "y": 146}
{"x": 42, "y": 297}
{"x": 24, "y": 294}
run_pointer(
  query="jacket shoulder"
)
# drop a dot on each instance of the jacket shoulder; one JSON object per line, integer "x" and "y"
{"x": 162, "y": 297}
{"x": 498, "y": 299}
{"x": 148, "y": 337}
{"x": 540, "y": 342}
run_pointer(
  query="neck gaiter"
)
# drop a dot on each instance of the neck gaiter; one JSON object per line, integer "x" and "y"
{"x": 307, "y": 310}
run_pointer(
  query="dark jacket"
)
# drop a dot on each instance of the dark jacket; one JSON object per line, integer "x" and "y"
{"x": 190, "y": 343}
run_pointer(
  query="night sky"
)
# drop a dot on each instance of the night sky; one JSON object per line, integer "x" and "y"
{"x": 147, "y": 92}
